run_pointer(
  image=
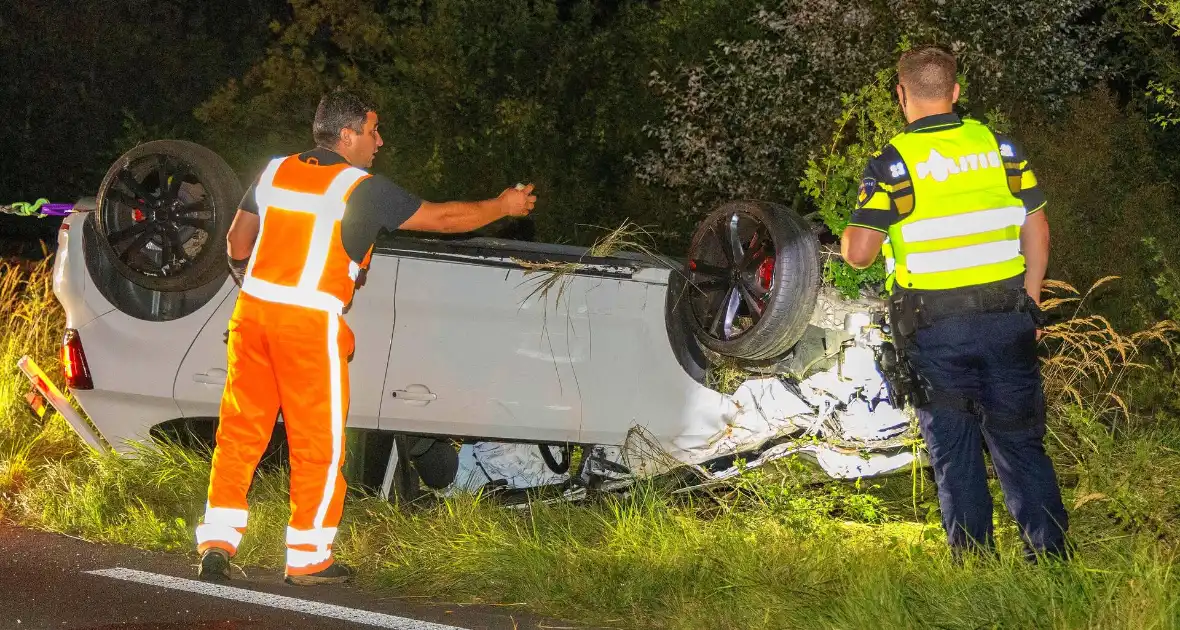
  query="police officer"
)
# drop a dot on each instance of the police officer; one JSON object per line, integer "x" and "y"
{"x": 298, "y": 246}
{"x": 958, "y": 213}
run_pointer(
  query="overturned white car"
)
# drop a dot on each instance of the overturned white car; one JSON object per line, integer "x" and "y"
{"x": 481, "y": 363}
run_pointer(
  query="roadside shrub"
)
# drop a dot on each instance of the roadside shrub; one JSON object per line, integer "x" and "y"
{"x": 1149, "y": 32}
{"x": 1035, "y": 53}
{"x": 741, "y": 123}
{"x": 1167, "y": 277}
{"x": 1106, "y": 192}
{"x": 745, "y": 121}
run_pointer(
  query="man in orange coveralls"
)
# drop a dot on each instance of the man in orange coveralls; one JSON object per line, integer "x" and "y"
{"x": 301, "y": 237}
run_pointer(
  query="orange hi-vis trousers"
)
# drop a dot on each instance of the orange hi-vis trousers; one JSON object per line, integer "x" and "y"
{"x": 294, "y": 359}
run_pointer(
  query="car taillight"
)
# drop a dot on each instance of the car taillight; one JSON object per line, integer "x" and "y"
{"x": 73, "y": 362}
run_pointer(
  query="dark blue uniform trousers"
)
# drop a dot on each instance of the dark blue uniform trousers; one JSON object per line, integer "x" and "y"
{"x": 989, "y": 358}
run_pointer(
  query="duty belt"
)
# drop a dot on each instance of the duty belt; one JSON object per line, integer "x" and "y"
{"x": 910, "y": 311}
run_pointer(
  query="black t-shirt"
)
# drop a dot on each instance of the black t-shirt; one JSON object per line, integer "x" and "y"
{"x": 375, "y": 204}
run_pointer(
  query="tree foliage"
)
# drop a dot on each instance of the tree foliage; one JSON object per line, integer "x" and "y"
{"x": 81, "y": 80}
{"x": 1164, "y": 87}
{"x": 1107, "y": 188}
{"x": 743, "y": 122}
{"x": 476, "y": 96}
{"x": 870, "y": 118}
{"x": 1166, "y": 12}
{"x": 1036, "y": 52}
{"x": 746, "y": 121}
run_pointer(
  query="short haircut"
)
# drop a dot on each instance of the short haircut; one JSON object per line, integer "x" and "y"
{"x": 337, "y": 110}
{"x": 928, "y": 72}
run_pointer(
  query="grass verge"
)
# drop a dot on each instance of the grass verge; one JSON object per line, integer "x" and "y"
{"x": 775, "y": 551}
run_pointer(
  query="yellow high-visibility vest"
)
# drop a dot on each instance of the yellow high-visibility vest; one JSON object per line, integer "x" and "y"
{"x": 964, "y": 226}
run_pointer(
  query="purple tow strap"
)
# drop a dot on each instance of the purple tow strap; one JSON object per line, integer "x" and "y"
{"x": 57, "y": 209}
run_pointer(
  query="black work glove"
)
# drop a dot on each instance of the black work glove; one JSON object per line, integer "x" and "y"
{"x": 237, "y": 269}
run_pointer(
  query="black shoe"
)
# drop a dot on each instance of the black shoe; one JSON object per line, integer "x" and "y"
{"x": 336, "y": 573}
{"x": 214, "y": 565}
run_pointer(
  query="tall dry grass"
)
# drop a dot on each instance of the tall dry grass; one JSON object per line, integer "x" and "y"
{"x": 33, "y": 322}
{"x": 1088, "y": 362}
{"x": 627, "y": 237}
{"x": 33, "y": 319}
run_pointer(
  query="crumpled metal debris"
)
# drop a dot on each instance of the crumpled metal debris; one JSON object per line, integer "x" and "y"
{"x": 839, "y": 418}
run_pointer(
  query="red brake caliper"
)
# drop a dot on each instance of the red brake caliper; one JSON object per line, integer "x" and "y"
{"x": 766, "y": 275}
{"x": 765, "y": 270}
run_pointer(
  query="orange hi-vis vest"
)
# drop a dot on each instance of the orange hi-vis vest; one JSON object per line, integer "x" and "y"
{"x": 299, "y": 258}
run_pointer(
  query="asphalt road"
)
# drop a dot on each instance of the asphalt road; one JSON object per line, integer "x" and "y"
{"x": 54, "y": 581}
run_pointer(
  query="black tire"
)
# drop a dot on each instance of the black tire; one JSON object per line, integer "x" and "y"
{"x": 436, "y": 462}
{"x": 753, "y": 264}
{"x": 552, "y": 463}
{"x": 687, "y": 350}
{"x": 186, "y": 222}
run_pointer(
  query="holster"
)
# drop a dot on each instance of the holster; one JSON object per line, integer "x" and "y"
{"x": 901, "y": 381}
{"x": 910, "y": 311}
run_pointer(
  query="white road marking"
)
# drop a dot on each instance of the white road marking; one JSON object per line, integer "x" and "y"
{"x": 320, "y": 609}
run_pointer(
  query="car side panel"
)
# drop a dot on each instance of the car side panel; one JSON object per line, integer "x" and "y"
{"x": 70, "y": 278}
{"x": 371, "y": 319}
{"x": 133, "y": 364}
{"x": 200, "y": 379}
{"x": 508, "y": 359}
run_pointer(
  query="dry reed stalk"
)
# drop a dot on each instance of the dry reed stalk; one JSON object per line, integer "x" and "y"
{"x": 1088, "y": 359}
{"x": 627, "y": 237}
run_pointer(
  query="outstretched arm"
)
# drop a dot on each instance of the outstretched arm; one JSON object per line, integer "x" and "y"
{"x": 465, "y": 216}
{"x": 876, "y": 209}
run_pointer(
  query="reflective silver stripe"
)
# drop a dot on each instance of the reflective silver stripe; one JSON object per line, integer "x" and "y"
{"x": 337, "y": 420}
{"x": 321, "y": 536}
{"x": 329, "y": 205}
{"x": 340, "y": 186}
{"x": 297, "y": 559}
{"x": 321, "y": 234}
{"x": 293, "y": 296}
{"x": 209, "y": 532}
{"x": 265, "y": 182}
{"x": 231, "y": 517}
{"x": 962, "y": 224}
{"x": 268, "y": 176}
{"x": 962, "y": 257}
{"x": 293, "y": 201}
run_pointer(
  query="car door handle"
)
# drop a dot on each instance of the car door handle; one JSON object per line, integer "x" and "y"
{"x": 417, "y": 395}
{"x": 212, "y": 377}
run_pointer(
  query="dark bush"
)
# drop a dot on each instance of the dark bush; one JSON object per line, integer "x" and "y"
{"x": 1107, "y": 191}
